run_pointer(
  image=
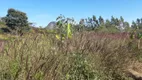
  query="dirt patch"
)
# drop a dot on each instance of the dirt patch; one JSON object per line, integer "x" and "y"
{"x": 135, "y": 71}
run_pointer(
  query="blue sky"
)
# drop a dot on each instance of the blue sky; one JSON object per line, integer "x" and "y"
{"x": 42, "y": 12}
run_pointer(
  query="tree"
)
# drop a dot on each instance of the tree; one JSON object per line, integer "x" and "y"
{"x": 121, "y": 23}
{"x": 108, "y": 23}
{"x": 95, "y": 23}
{"x": 121, "y": 19}
{"x": 126, "y": 27}
{"x": 139, "y": 23}
{"x": 81, "y": 25}
{"x": 117, "y": 22}
{"x": 16, "y": 20}
{"x": 82, "y": 22}
{"x": 134, "y": 25}
{"x": 141, "y": 20}
{"x": 112, "y": 20}
{"x": 0, "y": 19}
{"x": 90, "y": 23}
{"x": 94, "y": 18}
{"x": 101, "y": 20}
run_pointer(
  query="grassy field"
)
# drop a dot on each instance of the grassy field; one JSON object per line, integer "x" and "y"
{"x": 86, "y": 56}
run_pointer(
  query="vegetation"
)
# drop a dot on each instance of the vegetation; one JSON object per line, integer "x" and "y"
{"x": 16, "y": 20}
{"x": 93, "y": 49}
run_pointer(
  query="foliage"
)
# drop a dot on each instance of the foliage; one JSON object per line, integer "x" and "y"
{"x": 64, "y": 27}
{"x": 116, "y": 24}
{"x": 16, "y": 20}
{"x": 80, "y": 68}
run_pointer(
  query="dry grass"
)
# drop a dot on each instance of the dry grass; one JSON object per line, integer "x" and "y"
{"x": 84, "y": 57}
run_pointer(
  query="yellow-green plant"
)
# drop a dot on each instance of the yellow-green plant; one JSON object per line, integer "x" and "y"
{"x": 69, "y": 33}
{"x": 136, "y": 34}
{"x": 64, "y": 27}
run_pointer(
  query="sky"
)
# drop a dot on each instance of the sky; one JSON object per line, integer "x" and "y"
{"x": 41, "y": 12}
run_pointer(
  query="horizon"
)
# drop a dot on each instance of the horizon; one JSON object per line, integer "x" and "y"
{"x": 43, "y": 12}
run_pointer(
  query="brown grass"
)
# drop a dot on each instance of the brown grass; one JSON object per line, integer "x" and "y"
{"x": 84, "y": 57}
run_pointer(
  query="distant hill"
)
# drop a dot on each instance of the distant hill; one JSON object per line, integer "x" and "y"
{"x": 51, "y": 25}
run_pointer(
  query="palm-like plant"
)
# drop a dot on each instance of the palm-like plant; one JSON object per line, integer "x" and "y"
{"x": 64, "y": 27}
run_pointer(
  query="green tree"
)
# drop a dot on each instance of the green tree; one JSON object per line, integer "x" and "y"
{"x": 90, "y": 23}
{"x": 121, "y": 19}
{"x": 16, "y": 20}
{"x": 139, "y": 23}
{"x": 101, "y": 20}
{"x": 117, "y": 22}
{"x": 112, "y": 20}
{"x": 127, "y": 27}
{"x": 108, "y": 23}
{"x": 141, "y": 20}
{"x": 81, "y": 25}
{"x": 134, "y": 25}
{"x": 94, "y": 18}
{"x": 95, "y": 21}
{"x": 121, "y": 23}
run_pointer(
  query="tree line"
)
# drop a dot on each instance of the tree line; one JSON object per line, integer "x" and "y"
{"x": 17, "y": 22}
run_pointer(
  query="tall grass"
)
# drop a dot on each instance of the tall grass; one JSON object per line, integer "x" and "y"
{"x": 84, "y": 57}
